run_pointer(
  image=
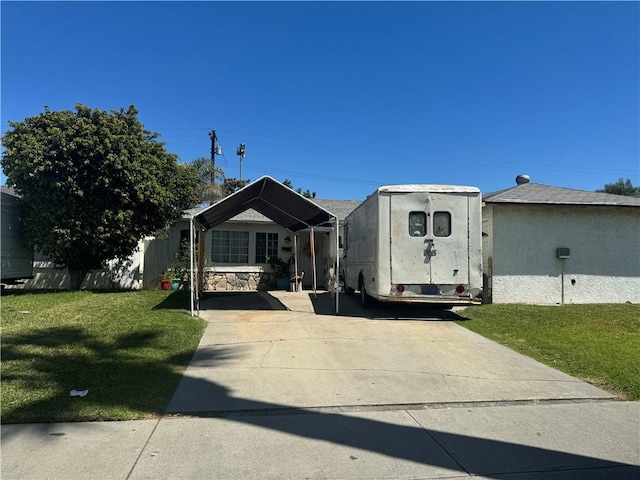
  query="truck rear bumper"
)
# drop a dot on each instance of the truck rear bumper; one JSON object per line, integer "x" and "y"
{"x": 429, "y": 299}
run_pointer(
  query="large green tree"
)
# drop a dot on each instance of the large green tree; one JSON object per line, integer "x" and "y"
{"x": 621, "y": 187}
{"x": 93, "y": 183}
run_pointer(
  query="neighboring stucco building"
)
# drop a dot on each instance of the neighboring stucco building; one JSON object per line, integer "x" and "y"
{"x": 523, "y": 228}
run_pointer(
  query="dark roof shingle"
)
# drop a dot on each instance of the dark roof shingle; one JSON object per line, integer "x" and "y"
{"x": 536, "y": 193}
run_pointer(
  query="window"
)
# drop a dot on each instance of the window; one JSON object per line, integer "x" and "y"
{"x": 442, "y": 224}
{"x": 417, "y": 224}
{"x": 266, "y": 246}
{"x": 229, "y": 247}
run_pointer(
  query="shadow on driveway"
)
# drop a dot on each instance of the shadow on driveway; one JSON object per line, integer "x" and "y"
{"x": 349, "y": 306}
{"x": 238, "y": 301}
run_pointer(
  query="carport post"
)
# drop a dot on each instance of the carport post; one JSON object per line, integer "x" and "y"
{"x": 337, "y": 272}
{"x": 313, "y": 259}
{"x": 295, "y": 259}
{"x": 191, "y": 293}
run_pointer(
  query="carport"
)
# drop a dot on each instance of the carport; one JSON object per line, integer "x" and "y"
{"x": 275, "y": 201}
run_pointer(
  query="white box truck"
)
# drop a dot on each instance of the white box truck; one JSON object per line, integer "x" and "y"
{"x": 416, "y": 243}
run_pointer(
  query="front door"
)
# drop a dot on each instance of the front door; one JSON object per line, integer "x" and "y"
{"x": 305, "y": 260}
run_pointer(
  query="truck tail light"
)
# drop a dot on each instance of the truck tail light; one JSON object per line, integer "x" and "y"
{"x": 460, "y": 289}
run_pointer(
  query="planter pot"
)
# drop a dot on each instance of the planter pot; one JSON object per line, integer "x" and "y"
{"x": 165, "y": 284}
{"x": 282, "y": 283}
{"x": 175, "y": 284}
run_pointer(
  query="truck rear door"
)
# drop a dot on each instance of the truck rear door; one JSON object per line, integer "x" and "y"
{"x": 429, "y": 238}
{"x": 449, "y": 233}
{"x": 409, "y": 222}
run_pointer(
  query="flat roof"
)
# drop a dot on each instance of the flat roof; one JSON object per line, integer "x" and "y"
{"x": 428, "y": 188}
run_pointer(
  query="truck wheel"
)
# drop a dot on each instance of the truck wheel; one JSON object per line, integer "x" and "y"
{"x": 348, "y": 290}
{"x": 365, "y": 300}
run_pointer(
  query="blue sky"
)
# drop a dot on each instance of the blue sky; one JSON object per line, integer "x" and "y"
{"x": 343, "y": 97}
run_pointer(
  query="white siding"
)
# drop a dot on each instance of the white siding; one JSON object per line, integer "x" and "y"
{"x": 604, "y": 263}
{"x": 117, "y": 274}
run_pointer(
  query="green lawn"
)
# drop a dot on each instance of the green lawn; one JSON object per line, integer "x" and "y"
{"x": 127, "y": 348}
{"x": 597, "y": 343}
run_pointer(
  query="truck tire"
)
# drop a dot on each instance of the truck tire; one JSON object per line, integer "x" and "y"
{"x": 348, "y": 290}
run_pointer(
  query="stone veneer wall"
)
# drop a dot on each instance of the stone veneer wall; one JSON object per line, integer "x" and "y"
{"x": 248, "y": 281}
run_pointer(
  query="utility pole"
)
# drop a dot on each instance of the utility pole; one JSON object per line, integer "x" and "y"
{"x": 214, "y": 138}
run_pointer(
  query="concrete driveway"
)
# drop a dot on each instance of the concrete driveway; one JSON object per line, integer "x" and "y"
{"x": 282, "y": 350}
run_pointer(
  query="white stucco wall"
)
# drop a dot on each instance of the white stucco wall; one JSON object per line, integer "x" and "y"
{"x": 604, "y": 263}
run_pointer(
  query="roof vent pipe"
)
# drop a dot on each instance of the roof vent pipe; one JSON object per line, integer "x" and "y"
{"x": 522, "y": 179}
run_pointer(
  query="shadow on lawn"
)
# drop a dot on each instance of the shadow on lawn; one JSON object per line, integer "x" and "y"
{"x": 127, "y": 375}
{"x": 176, "y": 300}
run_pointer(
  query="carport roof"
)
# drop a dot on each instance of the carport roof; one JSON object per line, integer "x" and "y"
{"x": 273, "y": 200}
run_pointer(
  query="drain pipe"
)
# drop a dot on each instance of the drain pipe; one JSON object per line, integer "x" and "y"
{"x": 562, "y": 280}
{"x": 562, "y": 253}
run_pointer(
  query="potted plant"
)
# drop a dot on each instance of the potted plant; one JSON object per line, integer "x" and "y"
{"x": 165, "y": 280}
{"x": 279, "y": 271}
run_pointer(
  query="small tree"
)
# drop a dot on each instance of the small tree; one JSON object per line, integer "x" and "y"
{"x": 209, "y": 187}
{"x": 621, "y": 187}
{"x": 307, "y": 193}
{"x": 232, "y": 185}
{"x": 93, "y": 183}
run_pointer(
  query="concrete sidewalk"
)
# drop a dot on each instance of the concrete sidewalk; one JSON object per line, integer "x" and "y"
{"x": 575, "y": 440}
{"x": 290, "y": 393}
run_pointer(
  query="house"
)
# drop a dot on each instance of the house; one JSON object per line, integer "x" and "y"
{"x": 551, "y": 245}
{"x": 236, "y": 252}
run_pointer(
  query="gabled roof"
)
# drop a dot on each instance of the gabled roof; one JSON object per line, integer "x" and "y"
{"x": 271, "y": 199}
{"x": 536, "y": 193}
